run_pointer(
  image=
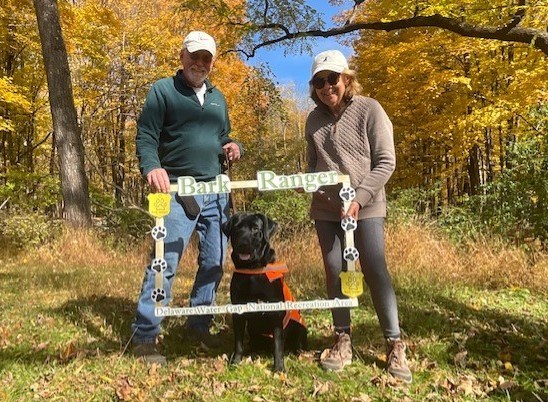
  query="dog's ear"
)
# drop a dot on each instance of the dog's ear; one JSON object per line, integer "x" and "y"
{"x": 269, "y": 226}
{"x": 228, "y": 225}
{"x": 232, "y": 221}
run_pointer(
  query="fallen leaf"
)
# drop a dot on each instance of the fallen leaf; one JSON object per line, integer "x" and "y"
{"x": 124, "y": 389}
{"x": 507, "y": 385}
{"x": 68, "y": 352}
{"x": 153, "y": 369}
{"x": 320, "y": 388}
{"x": 218, "y": 388}
{"x": 41, "y": 346}
{"x": 460, "y": 358}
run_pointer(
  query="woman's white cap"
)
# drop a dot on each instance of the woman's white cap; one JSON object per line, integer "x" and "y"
{"x": 198, "y": 40}
{"x": 331, "y": 60}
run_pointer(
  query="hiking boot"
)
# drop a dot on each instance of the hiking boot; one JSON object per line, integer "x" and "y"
{"x": 396, "y": 362}
{"x": 148, "y": 352}
{"x": 204, "y": 338}
{"x": 339, "y": 355}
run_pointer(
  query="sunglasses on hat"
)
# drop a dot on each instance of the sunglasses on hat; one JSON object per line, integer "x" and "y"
{"x": 319, "y": 82}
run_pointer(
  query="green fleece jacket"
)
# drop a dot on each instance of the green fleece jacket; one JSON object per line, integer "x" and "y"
{"x": 178, "y": 134}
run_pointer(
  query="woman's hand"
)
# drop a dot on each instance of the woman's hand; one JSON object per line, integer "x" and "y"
{"x": 352, "y": 211}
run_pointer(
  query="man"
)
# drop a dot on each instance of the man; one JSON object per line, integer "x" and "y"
{"x": 183, "y": 131}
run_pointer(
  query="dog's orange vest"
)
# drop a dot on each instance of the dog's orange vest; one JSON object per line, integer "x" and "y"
{"x": 276, "y": 271}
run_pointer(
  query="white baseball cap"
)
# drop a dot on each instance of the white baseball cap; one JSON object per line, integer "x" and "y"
{"x": 331, "y": 60}
{"x": 198, "y": 40}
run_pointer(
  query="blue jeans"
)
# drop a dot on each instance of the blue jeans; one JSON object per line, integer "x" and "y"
{"x": 212, "y": 251}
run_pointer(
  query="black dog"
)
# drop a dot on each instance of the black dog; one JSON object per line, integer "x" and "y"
{"x": 257, "y": 279}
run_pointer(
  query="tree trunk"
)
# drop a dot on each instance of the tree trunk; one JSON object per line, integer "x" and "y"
{"x": 488, "y": 151}
{"x": 74, "y": 184}
{"x": 474, "y": 169}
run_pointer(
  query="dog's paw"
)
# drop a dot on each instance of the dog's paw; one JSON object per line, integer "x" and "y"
{"x": 347, "y": 193}
{"x": 349, "y": 224}
{"x": 235, "y": 359}
{"x": 158, "y": 265}
{"x": 279, "y": 368}
{"x": 158, "y": 295}
{"x": 351, "y": 254}
{"x": 158, "y": 232}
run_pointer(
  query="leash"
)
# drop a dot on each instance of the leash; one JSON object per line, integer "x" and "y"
{"x": 227, "y": 169}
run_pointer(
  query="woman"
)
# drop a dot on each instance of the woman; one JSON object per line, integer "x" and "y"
{"x": 352, "y": 134}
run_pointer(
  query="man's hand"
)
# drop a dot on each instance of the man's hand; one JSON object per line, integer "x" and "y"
{"x": 353, "y": 210}
{"x": 232, "y": 151}
{"x": 158, "y": 180}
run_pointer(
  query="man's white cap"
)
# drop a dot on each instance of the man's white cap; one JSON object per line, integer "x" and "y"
{"x": 198, "y": 40}
{"x": 331, "y": 60}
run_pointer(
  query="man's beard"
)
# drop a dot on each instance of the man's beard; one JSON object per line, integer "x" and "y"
{"x": 196, "y": 78}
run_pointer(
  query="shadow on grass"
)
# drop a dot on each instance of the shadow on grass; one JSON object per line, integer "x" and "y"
{"x": 106, "y": 322}
{"x": 489, "y": 336}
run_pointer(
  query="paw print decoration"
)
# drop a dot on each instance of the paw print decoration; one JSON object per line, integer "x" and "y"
{"x": 350, "y": 254}
{"x": 158, "y": 295}
{"x": 158, "y": 232}
{"x": 349, "y": 224}
{"x": 347, "y": 193}
{"x": 158, "y": 265}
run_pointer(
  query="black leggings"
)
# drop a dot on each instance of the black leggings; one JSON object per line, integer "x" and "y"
{"x": 369, "y": 240}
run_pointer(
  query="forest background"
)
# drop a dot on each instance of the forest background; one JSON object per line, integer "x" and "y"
{"x": 470, "y": 115}
{"x": 467, "y": 224}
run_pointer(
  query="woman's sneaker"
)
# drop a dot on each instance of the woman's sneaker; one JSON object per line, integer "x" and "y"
{"x": 339, "y": 356}
{"x": 396, "y": 362}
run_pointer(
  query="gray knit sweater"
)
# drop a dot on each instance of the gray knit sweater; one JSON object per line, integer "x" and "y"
{"x": 359, "y": 143}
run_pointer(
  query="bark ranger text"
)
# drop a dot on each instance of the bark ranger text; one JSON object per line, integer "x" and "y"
{"x": 266, "y": 180}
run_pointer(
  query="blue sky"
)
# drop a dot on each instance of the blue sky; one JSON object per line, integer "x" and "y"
{"x": 294, "y": 69}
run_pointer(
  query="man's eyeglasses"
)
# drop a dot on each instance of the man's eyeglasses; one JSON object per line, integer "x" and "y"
{"x": 319, "y": 82}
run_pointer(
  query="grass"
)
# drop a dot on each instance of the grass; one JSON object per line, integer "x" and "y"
{"x": 474, "y": 317}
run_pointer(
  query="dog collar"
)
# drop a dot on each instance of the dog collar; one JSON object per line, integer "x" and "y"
{"x": 272, "y": 271}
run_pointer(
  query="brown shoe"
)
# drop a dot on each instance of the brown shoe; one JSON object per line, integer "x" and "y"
{"x": 148, "y": 352}
{"x": 339, "y": 356}
{"x": 396, "y": 362}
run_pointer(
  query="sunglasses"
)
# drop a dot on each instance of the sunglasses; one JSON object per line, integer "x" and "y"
{"x": 319, "y": 82}
{"x": 204, "y": 57}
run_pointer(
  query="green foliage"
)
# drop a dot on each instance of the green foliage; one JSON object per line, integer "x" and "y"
{"x": 124, "y": 222}
{"x": 288, "y": 208}
{"x": 30, "y": 201}
{"x": 29, "y": 191}
{"x": 403, "y": 205}
{"x": 27, "y": 231}
{"x": 462, "y": 224}
{"x": 516, "y": 204}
